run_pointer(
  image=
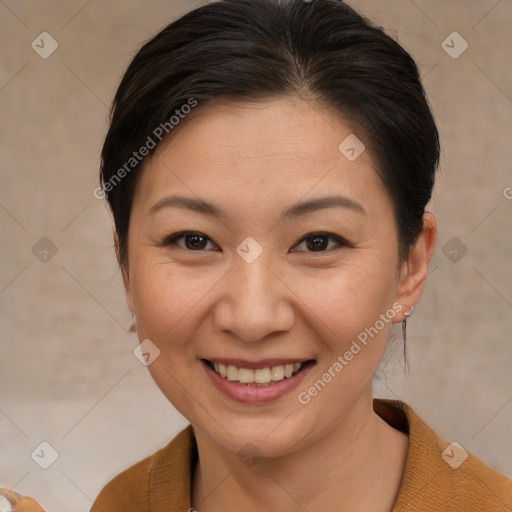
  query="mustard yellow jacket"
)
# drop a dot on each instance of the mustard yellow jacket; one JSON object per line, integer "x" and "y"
{"x": 438, "y": 477}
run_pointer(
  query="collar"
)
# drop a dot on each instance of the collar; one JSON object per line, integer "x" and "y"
{"x": 428, "y": 482}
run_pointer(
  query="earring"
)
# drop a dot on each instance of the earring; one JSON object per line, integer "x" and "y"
{"x": 409, "y": 312}
{"x": 133, "y": 327}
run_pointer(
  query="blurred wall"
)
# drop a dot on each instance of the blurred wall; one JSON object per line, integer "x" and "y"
{"x": 68, "y": 375}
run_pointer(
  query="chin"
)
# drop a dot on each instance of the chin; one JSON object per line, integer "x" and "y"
{"x": 247, "y": 436}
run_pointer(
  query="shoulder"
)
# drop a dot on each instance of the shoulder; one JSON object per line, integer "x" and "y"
{"x": 127, "y": 491}
{"x": 133, "y": 488}
{"x": 443, "y": 476}
{"x": 464, "y": 482}
{"x": 479, "y": 484}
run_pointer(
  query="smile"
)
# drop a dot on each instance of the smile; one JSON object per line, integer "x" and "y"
{"x": 260, "y": 377}
{"x": 253, "y": 383}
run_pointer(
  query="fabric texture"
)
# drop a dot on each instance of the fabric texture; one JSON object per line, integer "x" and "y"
{"x": 437, "y": 478}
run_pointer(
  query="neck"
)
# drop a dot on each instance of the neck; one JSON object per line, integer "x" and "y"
{"x": 357, "y": 466}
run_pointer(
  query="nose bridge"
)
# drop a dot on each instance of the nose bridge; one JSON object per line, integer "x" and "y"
{"x": 254, "y": 301}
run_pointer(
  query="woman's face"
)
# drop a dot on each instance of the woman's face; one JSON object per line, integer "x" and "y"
{"x": 252, "y": 286}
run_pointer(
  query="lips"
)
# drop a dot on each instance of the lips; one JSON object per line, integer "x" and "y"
{"x": 256, "y": 382}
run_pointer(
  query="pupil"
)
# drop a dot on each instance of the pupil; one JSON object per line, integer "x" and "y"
{"x": 317, "y": 242}
{"x": 194, "y": 242}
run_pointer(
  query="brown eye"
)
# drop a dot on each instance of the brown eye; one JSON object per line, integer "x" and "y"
{"x": 319, "y": 242}
{"x": 193, "y": 241}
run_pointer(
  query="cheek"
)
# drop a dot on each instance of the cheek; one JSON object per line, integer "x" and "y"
{"x": 355, "y": 306}
{"x": 168, "y": 302}
{"x": 165, "y": 296}
{"x": 350, "y": 298}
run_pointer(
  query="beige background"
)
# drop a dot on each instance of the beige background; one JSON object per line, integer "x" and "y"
{"x": 67, "y": 372}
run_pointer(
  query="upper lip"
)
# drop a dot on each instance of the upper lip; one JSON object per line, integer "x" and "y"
{"x": 262, "y": 363}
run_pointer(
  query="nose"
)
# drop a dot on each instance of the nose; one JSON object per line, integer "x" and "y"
{"x": 254, "y": 301}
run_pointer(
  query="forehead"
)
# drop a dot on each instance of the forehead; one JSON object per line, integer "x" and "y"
{"x": 281, "y": 149}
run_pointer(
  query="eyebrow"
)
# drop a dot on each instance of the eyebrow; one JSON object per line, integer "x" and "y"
{"x": 295, "y": 211}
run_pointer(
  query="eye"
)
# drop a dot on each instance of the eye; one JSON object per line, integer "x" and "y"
{"x": 193, "y": 240}
{"x": 319, "y": 242}
{"x": 196, "y": 241}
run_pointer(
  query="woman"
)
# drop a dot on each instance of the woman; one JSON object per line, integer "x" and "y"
{"x": 268, "y": 165}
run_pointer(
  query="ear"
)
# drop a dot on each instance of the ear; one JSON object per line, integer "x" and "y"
{"x": 414, "y": 271}
{"x": 125, "y": 271}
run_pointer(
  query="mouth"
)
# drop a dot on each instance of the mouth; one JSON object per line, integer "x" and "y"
{"x": 258, "y": 375}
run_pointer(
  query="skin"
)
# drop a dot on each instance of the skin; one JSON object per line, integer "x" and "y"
{"x": 254, "y": 160}
{"x": 20, "y": 503}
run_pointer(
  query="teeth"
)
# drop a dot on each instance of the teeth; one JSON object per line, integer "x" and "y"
{"x": 232, "y": 373}
{"x": 259, "y": 376}
{"x": 277, "y": 373}
{"x": 245, "y": 375}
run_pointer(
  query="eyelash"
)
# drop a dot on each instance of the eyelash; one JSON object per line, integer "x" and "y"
{"x": 171, "y": 240}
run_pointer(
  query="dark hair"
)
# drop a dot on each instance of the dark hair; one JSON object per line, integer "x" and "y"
{"x": 320, "y": 50}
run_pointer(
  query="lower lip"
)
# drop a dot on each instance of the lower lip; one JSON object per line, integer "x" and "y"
{"x": 255, "y": 394}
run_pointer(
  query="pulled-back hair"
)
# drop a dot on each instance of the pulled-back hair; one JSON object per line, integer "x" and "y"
{"x": 239, "y": 50}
